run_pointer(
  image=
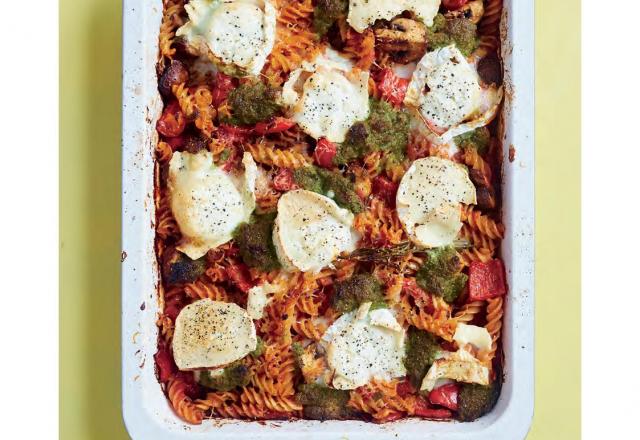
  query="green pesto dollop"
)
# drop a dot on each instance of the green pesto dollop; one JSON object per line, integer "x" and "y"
{"x": 458, "y": 31}
{"x": 298, "y": 353}
{"x": 326, "y": 12}
{"x": 440, "y": 274}
{"x": 179, "y": 269}
{"x": 259, "y": 350}
{"x": 476, "y": 400}
{"x": 386, "y": 129}
{"x": 251, "y": 103}
{"x": 323, "y": 403}
{"x": 331, "y": 184}
{"x": 234, "y": 375}
{"x": 478, "y": 139}
{"x": 255, "y": 240}
{"x": 360, "y": 288}
{"x": 421, "y": 350}
{"x": 310, "y": 178}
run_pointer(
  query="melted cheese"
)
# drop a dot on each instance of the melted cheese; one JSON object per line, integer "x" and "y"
{"x": 359, "y": 350}
{"x": 476, "y": 336}
{"x": 328, "y": 96}
{"x": 460, "y": 366}
{"x": 364, "y": 13}
{"x": 212, "y": 334}
{"x": 258, "y": 298}
{"x": 385, "y": 319}
{"x": 208, "y": 203}
{"x": 238, "y": 33}
{"x": 428, "y": 200}
{"x": 311, "y": 231}
{"x": 445, "y": 91}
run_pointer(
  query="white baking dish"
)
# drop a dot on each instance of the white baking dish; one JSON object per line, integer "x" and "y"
{"x": 145, "y": 409}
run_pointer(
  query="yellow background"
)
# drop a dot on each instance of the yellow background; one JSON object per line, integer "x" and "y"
{"x": 90, "y": 67}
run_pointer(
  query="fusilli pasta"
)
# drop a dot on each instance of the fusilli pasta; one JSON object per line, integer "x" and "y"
{"x": 276, "y": 157}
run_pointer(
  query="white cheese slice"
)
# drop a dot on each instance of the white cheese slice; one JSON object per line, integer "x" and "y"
{"x": 359, "y": 351}
{"x": 310, "y": 231}
{"x": 446, "y": 93}
{"x": 490, "y": 100}
{"x": 479, "y": 337}
{"x": 364, "y": 13}
{"x": 326, "y": 97}
{"x": 257, "y": 299}
{"x": 428, "y": 200}
{"x": 460, "y": 366}
{"x": 238, "y": 33}
{"x": 444, "y": 88}
{"x": 208, "y": 203}
{"x": 211, "y": 334}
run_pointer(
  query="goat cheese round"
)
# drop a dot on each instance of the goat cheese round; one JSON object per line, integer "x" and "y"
{"x": 311, "y": 230}
{"x": 238, "y": 33}
{"x": 208, "y": 203}
{"x": 328, "y": 96}
{"x": 446, "y": 93}
{"x": 364, "y": 345}
{"x": 212, "y": 333}
{"x": 364, "y": 13}
{"x": 428, "y": 200}
{"x": 444, "y": 88}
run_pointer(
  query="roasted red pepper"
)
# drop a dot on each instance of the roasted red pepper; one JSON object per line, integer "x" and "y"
{"x": 424, "y": 409}
{"x": 274, "y": 125}
{"x": 486, "y": 280}
{"x": 165, "y": 363}
{"x": 446, "y": 395}
{"x": 405, "y": 388}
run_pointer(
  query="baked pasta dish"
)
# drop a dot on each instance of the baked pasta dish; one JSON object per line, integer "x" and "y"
{"x": 328, "y": 209}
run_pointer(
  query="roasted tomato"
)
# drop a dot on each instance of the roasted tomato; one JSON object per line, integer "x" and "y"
{"x": 232, "y": 134}
{"x": 392, "y": 88}
{"x": 385, "y": 189}
{"x": 283, "y": 180}
{"x": 222, "y": 86}
{"x": 324, "y": 153}
{"x": 172, "y": 122}
{"x": 175, "y": 73}
{"x": 410, "y": 286}
{"x": 239, "y": 276}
